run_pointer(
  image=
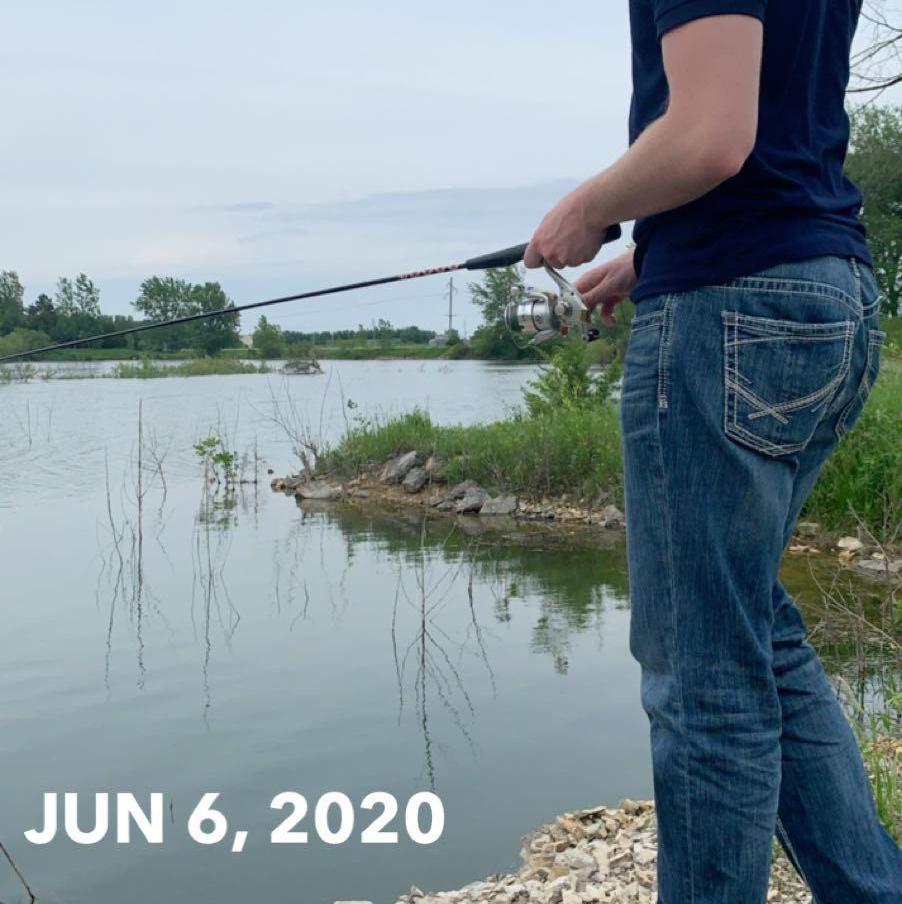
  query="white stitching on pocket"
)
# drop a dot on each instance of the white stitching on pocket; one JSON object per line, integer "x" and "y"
{"x": 737, "y": 388}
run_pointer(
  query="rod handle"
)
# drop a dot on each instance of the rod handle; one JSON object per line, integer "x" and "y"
{"x": 510, "y": 256}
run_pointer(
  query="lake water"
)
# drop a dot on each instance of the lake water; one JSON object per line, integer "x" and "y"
{"x": 262, "y": 647}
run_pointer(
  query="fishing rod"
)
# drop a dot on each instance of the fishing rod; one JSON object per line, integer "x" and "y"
{"x": 507, "y": 257}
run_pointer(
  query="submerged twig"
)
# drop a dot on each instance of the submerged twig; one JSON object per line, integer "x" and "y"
{"x": 18, "y": 872}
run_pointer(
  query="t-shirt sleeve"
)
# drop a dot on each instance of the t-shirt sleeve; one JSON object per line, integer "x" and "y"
{"x": 671, "y": 13}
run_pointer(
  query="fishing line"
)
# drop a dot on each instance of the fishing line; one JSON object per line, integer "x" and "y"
{"x": 507, "y": 257}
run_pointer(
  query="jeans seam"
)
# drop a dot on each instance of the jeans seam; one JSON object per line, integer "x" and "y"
{"x": 793, "y": 856}
{"x": 664, "y": 356}
{"x": 674, "y": 663}
{"x": 876, "y": 339}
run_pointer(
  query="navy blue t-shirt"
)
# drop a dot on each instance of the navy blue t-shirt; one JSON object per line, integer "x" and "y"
{"x": 791, "y": 201}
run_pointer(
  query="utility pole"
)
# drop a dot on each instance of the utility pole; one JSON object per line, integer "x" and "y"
{"x": 451, "y": 291}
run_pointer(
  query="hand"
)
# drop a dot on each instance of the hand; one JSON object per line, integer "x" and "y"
{"x": 608, "y": 285}
{"x": 569, "y": 235}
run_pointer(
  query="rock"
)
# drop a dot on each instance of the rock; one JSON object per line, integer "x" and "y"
{"x": 850, "y": 544}
{"x": 612, "y": 517}
{"x": 575, "y": 859}
{"x": 415, "y": 480}
{"x": 808, "y": 530}
{"x": 500, "y": 505}
{"x": 583, "y": 869}
{"x": 464, "y": 489}
{"x": 320, "y": 491}
{"x": 446, "y": 505}
{"x": 434, "y": 468}
{"x": 292, "y": 484}
{"x": 880, "y": 567}
{"x": 396, "y": 469}
{"x": 357, "y": 493}
{"x": 472, "y": 502}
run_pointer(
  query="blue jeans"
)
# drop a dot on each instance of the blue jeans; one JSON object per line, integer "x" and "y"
{"x": 734, "y": 396}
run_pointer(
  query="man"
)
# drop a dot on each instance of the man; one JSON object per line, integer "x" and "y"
{"x": 754, "y": 347}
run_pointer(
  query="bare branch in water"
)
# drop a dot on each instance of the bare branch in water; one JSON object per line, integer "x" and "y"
{"x": 18, "y": 872}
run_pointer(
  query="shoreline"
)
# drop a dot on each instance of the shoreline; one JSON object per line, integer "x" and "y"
{"x": 600, "y": 855}
{"x": 405, "y": 482}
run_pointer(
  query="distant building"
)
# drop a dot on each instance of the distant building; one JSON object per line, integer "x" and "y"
{"x": 438, "y": 339}
{"x": 246, "y": 341}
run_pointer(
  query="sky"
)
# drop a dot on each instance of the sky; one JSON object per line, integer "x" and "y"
{"x": 277, "y": 147}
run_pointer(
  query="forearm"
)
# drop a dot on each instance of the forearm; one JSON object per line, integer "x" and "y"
{"x": 672, "y": 163}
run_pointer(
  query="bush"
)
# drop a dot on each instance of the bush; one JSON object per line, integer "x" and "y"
{"x": 864, "y": 475}
{"x": 567, "y": 381}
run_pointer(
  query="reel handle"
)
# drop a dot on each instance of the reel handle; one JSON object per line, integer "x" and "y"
{"x": 510, "y": 256}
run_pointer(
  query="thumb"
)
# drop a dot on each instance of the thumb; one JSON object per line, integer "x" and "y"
{"x": 533, "y": 257}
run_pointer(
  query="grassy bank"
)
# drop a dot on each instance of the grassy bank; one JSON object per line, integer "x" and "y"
{"x": 571, "y": 451}
{"x": 196, "y": 367}
{"x": 577, "y": 450}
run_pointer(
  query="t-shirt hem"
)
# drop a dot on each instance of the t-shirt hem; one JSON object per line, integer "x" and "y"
{"x": 669, "y": 284}
{"x": 688, "y": 10}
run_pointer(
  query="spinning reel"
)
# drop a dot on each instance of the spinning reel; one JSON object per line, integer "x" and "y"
{"x": 544, "y": 315}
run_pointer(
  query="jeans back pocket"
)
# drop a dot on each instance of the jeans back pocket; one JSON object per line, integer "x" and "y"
{"x": 780, "y": 377}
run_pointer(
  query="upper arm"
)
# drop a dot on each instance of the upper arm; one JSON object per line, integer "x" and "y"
{"x": 713, "y": 67}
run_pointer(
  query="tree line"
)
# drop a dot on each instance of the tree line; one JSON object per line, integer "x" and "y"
{"x": 74, "y": 313}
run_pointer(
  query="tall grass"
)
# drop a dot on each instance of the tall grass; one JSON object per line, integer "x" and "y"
{"x": 146, "y": 369}
{"x": 864, "y": 475}
{"x": 569, "y": 451}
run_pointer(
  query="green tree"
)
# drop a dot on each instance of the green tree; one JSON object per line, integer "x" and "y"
{"x": 41, "y": 315}
{"x": 12, "y": 306}
{"x": 215, "y": 333}
{"x": 268, "y": 341}
{"x": 875, "y": 165}
{"x": 384, "y": 332}
{"x": 498, "y": 288}
{"x": 64, "y": 297}
{"x": 87, "y": 296}
{"x": 164, "y": 299}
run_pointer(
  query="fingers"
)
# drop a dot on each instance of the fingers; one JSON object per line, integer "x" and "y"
{"x": 591, "y": 279}
{"x": 533, "y": 257}
{"x": 607, "y": 310}
{"x": 599, "y": 294}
